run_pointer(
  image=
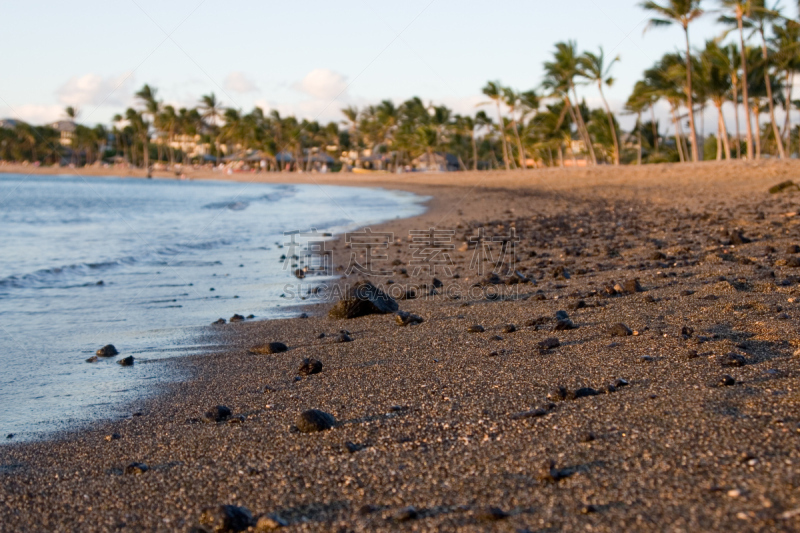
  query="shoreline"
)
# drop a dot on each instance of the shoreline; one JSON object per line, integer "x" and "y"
{"x": 471, "y": 430}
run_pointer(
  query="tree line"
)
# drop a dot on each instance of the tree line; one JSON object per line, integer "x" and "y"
{"x": 749, "y": 68}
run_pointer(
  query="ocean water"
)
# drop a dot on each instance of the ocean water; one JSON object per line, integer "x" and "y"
{"x": 143, "y": 265}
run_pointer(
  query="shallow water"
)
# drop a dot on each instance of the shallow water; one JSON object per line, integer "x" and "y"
{"x": 141, "y": 264}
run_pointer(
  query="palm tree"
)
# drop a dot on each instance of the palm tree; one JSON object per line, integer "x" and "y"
{"x": 594, "y": 69}
{"x": 513, "y": 101}
{"x": 147, "y": 95}
{"x": 714, "y": 70}
{"x": 741, "y": 9}
{"x": 494, "y": 91}
{"x": 638, "y": 101}
{"x": 760, "y": 16}
{"x": 787, "y": 43}
{"x": 682, "y": 12}
{"x": 211, "y": 111}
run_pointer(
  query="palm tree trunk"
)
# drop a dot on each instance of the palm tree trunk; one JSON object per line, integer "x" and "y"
{"x": 775, "y": 131}
{"x": 736, "y": 116}
{"x": 474, "y": 152}
{"x": 787, "y": 121}
{"x": 745, "y": 97}
{"x": 639, "y": 136}
{"x": 677, "y": 138}
{"x": 654, "y": 126}
{"x": 522, "y": 160}
{"x": 502, "y": 128}
{"x": 724, "y": 132}
{"x": 757, "y": 130}
{"x": 689, "y": 103}
{"x": 561, "y": 155}
{"x": 582, "y": 127}
{"x": 611, "y": 124}
{"x": 719, "y": 141}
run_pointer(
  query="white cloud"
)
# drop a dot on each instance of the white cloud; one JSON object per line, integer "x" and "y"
{"x": 239, "y": 83}
{"x": 94, "y": 90}
{"x": 33, "y": 113}
{"x": 323, "y": 84}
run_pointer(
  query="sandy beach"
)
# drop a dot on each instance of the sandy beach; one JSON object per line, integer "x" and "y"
{"x": 634, "y": 368}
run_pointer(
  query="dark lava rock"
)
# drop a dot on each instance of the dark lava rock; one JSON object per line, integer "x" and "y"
{"x": 793, "y": 249}
{"x": 687, "y": 332}
{"x": 226, "y": 518}
{"x": 589, "y": 509}
{"x": 518, "y": 278}
{"x": 732, "y": 359}
{"x": 631, "y": 286}
{"x": 620, "y": 330}
{"x": 793, "y": 262}
{"x": 363, "y": 299}
{"x": 646, "y": 359}
{"x": 692, "y": 354}
{"x": 269, "y": 348}
{"x": 353, "y": 447}
{"x": 784, "y": 186}
{"x": 107, "y": 351}
{"x": 535, "y": 413}
{"x": 253, "y": 316}
{"x": 343, "y": 337}
{"x": 509, "y": 328}
{"x": 92, "y": 359}
{"x": 314, "y": 420}
{"x": 549, "y": 344}
{"x": 560, "y": 394}
{"x": 220, "y": 413}
{"x": 587, "y": 437}
{"x": 309, "y": 366}
{"x": 726, "y": 381}
{"x": 113, "y": 436}
{"x": 565, "y": 324}
{"x": 562, "y": 315}
{"x": 236, "y": 318}
{"x": 737, "y": 238}
{"x": 136, "y": 468}
{"x": 584, "y": 392}
{"x": 220, "y": 321}
{"x": 550, "y": 474}
{"x": 299, "y": 273}
{"x": 406, "y": 514}
{"x": 127, "y": 361}
{"x": 490, "y": 279}
{"x": 561, "y": 272}
{"x": 657, "y": 256}
{"x": 477, "y": 328}
{"x": 403, "y": 318}
{"x": 492, "y": 514}
{"x": 437, "y": 283}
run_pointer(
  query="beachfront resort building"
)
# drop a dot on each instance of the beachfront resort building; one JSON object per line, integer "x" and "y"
{"x": 66, "y": 129}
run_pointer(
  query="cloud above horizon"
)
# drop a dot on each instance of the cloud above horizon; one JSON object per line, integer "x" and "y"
{"x": 238, "y": 82}
{"x": 323, "y": 84}
{"x": 93, "y": 90}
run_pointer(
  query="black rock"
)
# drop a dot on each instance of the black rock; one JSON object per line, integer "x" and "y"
{"x": 220, "y": 321}
{"x": 587, "y": 437}
{"x": 92, "y": 359}
{"x": 549, "y": 344}
{"x": 406, "y": 514}
{"x": 226, "y": 518}
{"x": 253, "y": 316}
{"x": 236, "y": 318}
{"x": 310, "y": 366}
{"x": 314, "y": 420}
{"x": 560, "y": 394}
{"x": 509, "y": 328}
{"x": 687, "y": 332}
{"x": 646, "y": 359}
{"x": 793, "y": 249}
{"x": 565, "y": 324}
{"x": 269, "y": 348}
{"x": 477, "y": 328}
{"x": 363, "y": 299}
{"x": 737, "y": 238}
{"x": 657, "y": 256}
{"x": 107, "y": 351}
{"x": 562, "y": 315}
{"x": 620, "y": 330}
{"x": 343, "y": 337}
{"x": 403, "y": 318}
{"x": 534, "y": 413}
{"x": 561, "y": 272}
{"x": 619, "y": 382}
{"x": 136, "y": 468}
{"x": 126, "y": 361}
{"x": 732, "y": 359}
{"x": 589, "y": 509}
{"x": 220, "y": 413}
{"x": 631, "y": 286}
{"x": 584, "y": 392}
{"x": 726, "y": 381}
{"x": 550, "y": 474}
{"x": 492, "y": 514}
{"x": 437, "y": 283}
{"x": 353, "y": 447}
{"x": 784, "y": 186}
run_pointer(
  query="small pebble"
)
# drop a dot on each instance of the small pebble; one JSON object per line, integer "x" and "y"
{"x": 314, "y": 420}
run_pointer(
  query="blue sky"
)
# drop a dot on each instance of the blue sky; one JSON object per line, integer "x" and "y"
{"x": 308, "y": 58}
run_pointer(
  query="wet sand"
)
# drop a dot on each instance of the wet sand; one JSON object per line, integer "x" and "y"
{"x": 440, "y": 428}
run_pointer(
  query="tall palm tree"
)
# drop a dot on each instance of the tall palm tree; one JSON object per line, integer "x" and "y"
{"x": 761, "y": 16}
{"x": 593, "y": 67}
{"x": 637, "y": 103}
{"x": 513, "y": 100}
{"x": 147, "y": 95}
{"x": 714, "y": 70}
{"x": 494, "y": 91}
{"x": 211, "y": 112}
{"x": 741, "y": 9}
{"x": 682, "y": 12}
{"x": 786, "y": 42}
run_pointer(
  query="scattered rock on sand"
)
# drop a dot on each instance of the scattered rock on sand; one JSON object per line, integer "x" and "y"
{"x": 784, "y": 186}
{"x": 585, "y": 392}
{"x": 92, "y": 359}
{"x": 732, "y": 359}
{"x": 113, "y": 436}
{"x": 406, "y": 514}
{"x": 220, "y": 413}
{"x": 226, "y": 518}
{"x": 107, "y": 351}
{"x": 270, "y": 522}
{"x": 620, "y": 330}
{"x": 492, "y": 514}
{"x": 343, "y": 337}
{"x": 550, "y": 474}
{"x": 310, "y": 366}
{"x": 476, "y": 328}
{"x": 631, "y": 286}
{"x": 403, "y": 318}
{"x": 509, "y": 328}
{"x": 564, "y": 325}
{"x": 549, "y": 344}
{"x": 126, "y": 361}
{"x": 219, "y": 321}
{"x": 136, "y": 468}
{"x": 726, "y": 381}
{"x": 269, "y": 348}
{"x": 560, "y": 394}
{"x": 363, "y": 299}
{"x": 314, "y": 420}
{"x": 236, "y": 318}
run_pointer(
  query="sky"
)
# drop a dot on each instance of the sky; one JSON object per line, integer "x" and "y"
{"x": 310, "y": 58}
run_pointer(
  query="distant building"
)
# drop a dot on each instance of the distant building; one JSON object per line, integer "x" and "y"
{"x": 437, "y": 162}
{"x": 66, "y": 129}
{"x": 190, "y": 145}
